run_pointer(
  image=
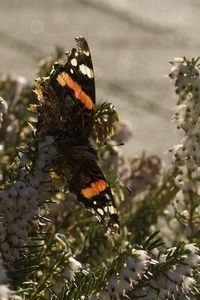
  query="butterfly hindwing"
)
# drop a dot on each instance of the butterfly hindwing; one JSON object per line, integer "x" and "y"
{"x": 93, "y": 191}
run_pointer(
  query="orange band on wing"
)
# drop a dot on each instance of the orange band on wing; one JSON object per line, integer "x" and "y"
{"x": 95, "y": 189}
{"x": 65, "y": 79}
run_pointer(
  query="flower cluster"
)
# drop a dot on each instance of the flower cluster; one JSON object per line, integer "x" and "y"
{"x": 176, "y": 281}
{"x": 20, "y": 201}
{"x": 138, "y": 277}
{"x": 186, "y": 155}
{"x": 130, "y": 274}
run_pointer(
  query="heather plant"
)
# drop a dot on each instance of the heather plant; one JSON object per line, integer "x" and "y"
{"x": 53, "y": 248}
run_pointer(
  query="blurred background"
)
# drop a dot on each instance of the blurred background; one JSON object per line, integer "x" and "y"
{"x": 132, "y": 42}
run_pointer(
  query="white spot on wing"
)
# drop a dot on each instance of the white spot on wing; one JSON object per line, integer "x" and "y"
{"x": 87, "y": 53}
{"x": 74, "y": 62}
{"x": 110, "y": 209}
{"x": 71, "y": 70}
{"x": 100, "y": 211}
{"x": 82, "y": 69}
{"x": 86, "y": 70}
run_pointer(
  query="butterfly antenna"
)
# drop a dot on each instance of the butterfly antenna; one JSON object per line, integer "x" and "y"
{"x": 104, "y": 146}
{"x": 117, "y": 175}
{"x": 130, "y": 191}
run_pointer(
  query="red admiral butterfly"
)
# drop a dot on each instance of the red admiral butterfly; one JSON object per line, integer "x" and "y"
{"x": 72, "y": 85}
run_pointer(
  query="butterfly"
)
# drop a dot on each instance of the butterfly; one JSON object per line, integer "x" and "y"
{"x": 70, "y": 95}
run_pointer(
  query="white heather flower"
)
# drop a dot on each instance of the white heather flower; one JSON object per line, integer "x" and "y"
{"x": 122, "y": 287}
{"x": 19, "y": 184}
{"x": 188, "y": 283}
{"x": 163, "y": 282}
{"x": 173, "y": 276}
{"x": 179, "y": 111}
{"x": 182, "y": 71}
{"x": 68, "y": 274}
{"x": 131, "y": 263}
{"x": 74, "y": 264}
{"x": 196, "y": 174}
{"x": 176, "y": 63}
{"x": 185, "y": 214}
{"x": 184, "y": 270}
{"x": 3, "y": 106}
{"x": 25, "y": 193}
{"x": 192, "y": 260}
{"x": 190, "y": 164}
{"x": 177, "y": 152}
{"x": 195, "y": 83}
{"x": 182, "y": 82}
{"x": 192, "y": 248}
{"x": 112, "y": 285}
{"x": 178, "y": 180}
{"x": 164, "y": 294}
{"x": 188, "y": 186}
{"x": 13, "y": 191}
{"x": 5, "y": 292}
{"x": 142, "y": 261}
{"x": 126, "y": 274}
{"x": 125, "y": 282}
{"x": 73, "y": 267}
{"x": 141, "y": 254}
